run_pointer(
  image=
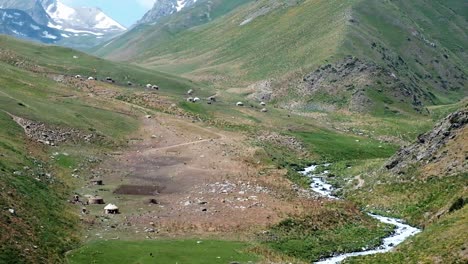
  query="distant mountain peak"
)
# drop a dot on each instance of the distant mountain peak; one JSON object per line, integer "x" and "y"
{"x": 78, "y": 27}
{"x": 19, "y": 24}
{"x": 163, "y": 8}
{"x": 90, "y": 19}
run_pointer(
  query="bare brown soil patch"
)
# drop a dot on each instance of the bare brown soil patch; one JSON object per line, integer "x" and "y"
{"x": 139, "y": 190}
{"x": 206, "y": 182}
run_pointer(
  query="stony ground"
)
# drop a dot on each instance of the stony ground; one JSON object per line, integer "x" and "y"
{"x": 178, "y": 177}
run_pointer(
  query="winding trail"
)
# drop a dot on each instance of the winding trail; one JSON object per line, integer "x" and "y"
{"x": 401, "y": 233}
{"x": 181, "y": 145}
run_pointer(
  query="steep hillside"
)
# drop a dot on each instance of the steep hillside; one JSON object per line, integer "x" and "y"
{"x": 68, "y": 61}
{"x": 50, "y": 126}
{"x": 442, "y": 151}
{"x": 384, "y": 57}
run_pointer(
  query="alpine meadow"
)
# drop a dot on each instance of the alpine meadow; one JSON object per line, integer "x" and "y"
{"x": 234, "y": 131}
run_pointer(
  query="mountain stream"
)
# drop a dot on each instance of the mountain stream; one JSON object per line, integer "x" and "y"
{"x": 401, "y": 233}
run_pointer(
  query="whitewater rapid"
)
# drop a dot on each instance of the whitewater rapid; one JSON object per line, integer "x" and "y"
{"x": 401, "y": 233}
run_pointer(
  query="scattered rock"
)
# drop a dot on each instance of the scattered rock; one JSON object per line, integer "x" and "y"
{"x": 429, "y": 148}
{"x": 53, "y": 135}
{"x": 282, "y": 140}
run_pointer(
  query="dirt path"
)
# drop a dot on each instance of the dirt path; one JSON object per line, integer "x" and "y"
{"x": 182, "y": 144}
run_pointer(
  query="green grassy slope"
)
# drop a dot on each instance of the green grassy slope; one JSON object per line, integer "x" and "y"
{"x": 420, "y": 42}
{"x": 35, "y": 183}
{"x": 61, "y": 60}
{"x": 262, "y": 47}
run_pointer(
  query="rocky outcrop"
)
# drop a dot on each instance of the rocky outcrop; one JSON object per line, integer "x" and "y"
{"x": 441, "y": 151}
{"x": 53, "y": 136}
{"x": 358, "y": 85}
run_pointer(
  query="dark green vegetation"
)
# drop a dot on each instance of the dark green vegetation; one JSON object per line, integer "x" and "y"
{"x": 163, "y": 251}
{"x": 410, "y": 54}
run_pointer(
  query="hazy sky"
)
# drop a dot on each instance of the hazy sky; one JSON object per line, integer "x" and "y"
{"x": 125, "y": 12}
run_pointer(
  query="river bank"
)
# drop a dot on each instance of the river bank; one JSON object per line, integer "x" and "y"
{"x": 401, "y": 233}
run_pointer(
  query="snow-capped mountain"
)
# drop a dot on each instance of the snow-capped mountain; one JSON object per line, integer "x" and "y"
{"x": 31, "y": 7}
{"x": 81, "y": 20}
{"x": 163, "y": 8}
{"x": 19, "y": 24}
{"x": 81, "y": 27}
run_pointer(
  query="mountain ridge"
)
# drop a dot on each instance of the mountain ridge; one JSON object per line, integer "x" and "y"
{"x": 19, "y": 24}
{"x": 282, "y": 42}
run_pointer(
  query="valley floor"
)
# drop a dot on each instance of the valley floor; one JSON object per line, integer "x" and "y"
{"x": 203, "y": 182}
{"x": 198, "y": 182}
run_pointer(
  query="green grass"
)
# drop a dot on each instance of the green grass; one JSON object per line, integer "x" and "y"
{"x": 163, "y": 251}
{"x": 33, "y": 183}
{"x": 414, "y": 200}
{"x": 255, "y": 55}
{"x": 60, "y": 60}
{"x": 295, "y": 38}
{"x": 41, "y": 219}
{"x": 443, "y": 242}
{"x": 331, "y": 146}
{"x": 336, "y": 227}
{"x": 44, "y": 101}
